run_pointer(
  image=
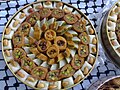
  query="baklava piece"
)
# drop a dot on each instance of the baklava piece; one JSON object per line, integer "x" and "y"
{"x": 52, "y": 76}
{"x": 60, "y": 42}
{"x": 66, "y": 71}
{"x": 32, "y": 18}
{"x": 18, "y": 54}
{"x": 77, "y": 62}
{"x": 27, "y": 64}
{"x": 25, "y": 28}
{"x": 18, "y": 39}
{"x": 39, "y": 72}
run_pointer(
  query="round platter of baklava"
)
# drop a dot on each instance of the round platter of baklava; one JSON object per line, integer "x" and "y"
{"x": 50, "y": 45}
{"x": 110, "y": 33}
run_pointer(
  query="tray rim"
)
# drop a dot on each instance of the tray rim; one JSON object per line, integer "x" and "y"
{"x": 107, "y": 23}
{"x": 108, "y": 79}
{"x": 97, "y": 45}
{"x": 105, "y": 35}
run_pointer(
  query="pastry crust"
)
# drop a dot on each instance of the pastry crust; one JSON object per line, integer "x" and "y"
{"x": 70, "y": 18}
{"x": 39, "y": 72}
{"x": 43, "y": 45}
{"x": 31, "y": 40}
{"x": 32, "y": 18}
{"x": 27, "y": 64}
{"x": 50, "y": 35}
{"x": 52, "y": 76}
{"x": 45, "y": 12}
{"x": 57, "y": 13}
{"x": 53, "y": 51}
{"x": 77, "y": 62}
{"x": 18, "y": 54}
{"x": 42, "y": 57}
{"x": 85, "y": 39}
{"x": 25, "y": 28}
{"x": 66, "y": 71}
{"x": 61, "y": 30}
{"x": 18, "y": 39}
{"x": 37, "y": 32}
{"x": 60, "y": 42}
{"x": 34, "y": 50}
{"x": 80, "y": 26}
{"x": 83, "y": 50}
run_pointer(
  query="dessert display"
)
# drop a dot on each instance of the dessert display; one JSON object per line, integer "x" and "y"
{"x": 113, "y": 84}
{"x": 114, "y": 29}
{"x": 110, "y": 33}
{"x": 50, "y": 45}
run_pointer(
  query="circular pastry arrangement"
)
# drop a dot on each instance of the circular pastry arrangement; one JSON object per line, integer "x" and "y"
{"x": 50, "y": 45}
{"x": 110, "y": 33}
{"x": 113, "y": 27}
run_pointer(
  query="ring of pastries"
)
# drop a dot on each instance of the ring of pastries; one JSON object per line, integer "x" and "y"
{"x": 50, "y": 45}
{"x": 113, "y": 28}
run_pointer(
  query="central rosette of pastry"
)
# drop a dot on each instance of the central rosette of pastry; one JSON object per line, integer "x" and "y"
{"x": 51, "y": 46}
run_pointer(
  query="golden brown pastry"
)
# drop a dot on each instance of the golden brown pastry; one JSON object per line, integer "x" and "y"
{"x": 60, "y": 42}
{"x": 66, "y": 53}
{"x": 66, "y": 71}
{"x": 70, "y": 44}
{"x": 31, "y": 40}
{"x": 68, "y": 36}
{"x": 53, "y": 51}
{"x": 77, "y": 62}
{"x": 32, "y": 18}
{"x": 37, "y": 32}
{"x": 52, "y": 76}
{"x": 25, "y": 28}
{"x": 85, "y": 39}
{"x": 70, "y": 18}
{"x": 80, "y": 26}
{"x": 50, "y": 35}
{"x": 42, "y": 57}
{"x": 34, "y": 50}
{"x": 83, "y": 50}
{"x": 43, "y": 45}
{"x": 18, "y": 54}
{"x": 57, "y": 13}
{"x": 61, "y": 30}
{"x": 45, "y": 12}
{"x": 18, "y": 39}
{"x": 27, "y": 64}
{"x": 39, "y": 72}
